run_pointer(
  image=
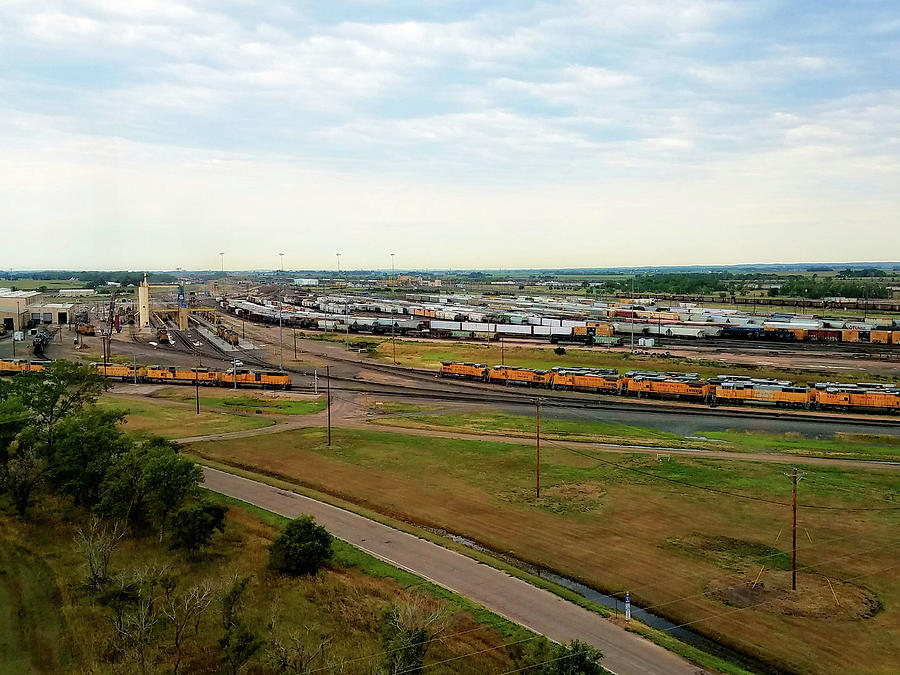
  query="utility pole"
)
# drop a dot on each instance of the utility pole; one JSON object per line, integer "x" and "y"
{"x": 502, "y": 363}
{"x": 795, "y": 477}
{"x": 134, "y": 366}
{"x": 295, "y": 343}
{"x": 632, "y": 311}
{"x": 234, "y": 371}
{"x": 537, "y": 466}
{"x": 328, "y": 399}
{"x": 393, "y": 341}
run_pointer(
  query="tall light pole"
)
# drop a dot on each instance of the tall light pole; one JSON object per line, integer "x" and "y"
{"x": 632, "y": 310}
{"x": 222, "y": 256}
{"x": 280, "y": 324}
{"x": 338, "y": 262}
{"x": 392, "y": 268}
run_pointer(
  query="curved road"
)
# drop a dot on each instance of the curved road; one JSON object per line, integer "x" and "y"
{"x": 532, "y": 607}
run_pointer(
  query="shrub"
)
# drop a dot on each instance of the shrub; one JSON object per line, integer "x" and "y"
{"x": 559, "y": 351}
{"x": 194, "y": 526}
{"x": 301, "y": 548}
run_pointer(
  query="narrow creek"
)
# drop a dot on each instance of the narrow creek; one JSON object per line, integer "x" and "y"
{"x": 618, "y": 604}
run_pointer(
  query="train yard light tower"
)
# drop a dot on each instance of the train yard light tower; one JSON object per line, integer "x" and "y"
{"x": 392, "y": 268}
{"x": 222, "y": 257}
{"x": 338, "y": 262}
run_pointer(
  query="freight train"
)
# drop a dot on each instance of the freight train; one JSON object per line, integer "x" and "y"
{"x": 616, "y": 321}
{"x": 257, "y": 379}
{"x": 719, "y": 390}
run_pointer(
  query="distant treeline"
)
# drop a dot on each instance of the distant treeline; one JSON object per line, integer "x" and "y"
{"x": 718, "y": 283}
{"x": 93, "y": 279}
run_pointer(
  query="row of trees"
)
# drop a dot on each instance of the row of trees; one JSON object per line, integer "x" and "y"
{"x": 55, "y": 440}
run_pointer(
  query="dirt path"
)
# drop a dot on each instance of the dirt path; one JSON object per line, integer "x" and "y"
{"x": 350, "y": 415}
{"x": 536, "y": 609}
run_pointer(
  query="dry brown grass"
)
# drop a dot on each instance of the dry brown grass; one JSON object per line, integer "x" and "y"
{"x": 611, "y": 530}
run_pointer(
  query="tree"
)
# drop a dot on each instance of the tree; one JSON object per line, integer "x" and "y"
{"x": 167, "y": 480}
{"x": 574, "y": 658}
{"x": 183, "y": 609}
{"x": 61, "y": 389}
{"x": 407, "y": 633}
{"x": 136, "y": 616}
{"x": 194, "y": 526}
{"x": 23, "y": 470}
{"x": 123, "y": 493}
{"x": 301, "y": 548}
{"x": 96, "y": 545}
{"x": 238, "y": 645}
{"x": 87, "y": 445}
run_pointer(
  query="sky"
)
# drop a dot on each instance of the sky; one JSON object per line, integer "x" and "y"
{"x": 457, "y": 134}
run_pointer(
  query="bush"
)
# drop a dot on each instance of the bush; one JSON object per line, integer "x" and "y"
{"x": 575, "y": 658}
{"x": 301, "y": 548}
{"x": 194, "y": 526}
{"x": 559, "y": 351}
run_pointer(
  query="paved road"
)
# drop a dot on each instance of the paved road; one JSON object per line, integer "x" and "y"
{"x": 537, "y": 609}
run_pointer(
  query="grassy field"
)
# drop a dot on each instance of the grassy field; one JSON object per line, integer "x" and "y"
{"x": 688, "y": 553}
{"x": 34, "y": 284}
{"x": 524, "y": 426}
{"x": 229, "y": 401}
{"x": 431, "y": 354}
{"x": 843, "y": 445}
{"x": 177, "y": 421}
{"x": 50, "y": 623}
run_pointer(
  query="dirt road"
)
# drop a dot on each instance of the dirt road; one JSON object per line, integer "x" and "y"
{"x": 537, "y": 609}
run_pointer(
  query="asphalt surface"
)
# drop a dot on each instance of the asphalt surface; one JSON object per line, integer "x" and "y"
{"x": 539, "y": 610}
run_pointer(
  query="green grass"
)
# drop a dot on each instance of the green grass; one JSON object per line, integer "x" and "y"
{"x": 246, "y": 402}
{"x": 522, "y": 425}
{"x": 176, "y": 421}
{"x": 31, "y": 621}
{"x": 35, "y": 284}
{"x": 844, "y": 445}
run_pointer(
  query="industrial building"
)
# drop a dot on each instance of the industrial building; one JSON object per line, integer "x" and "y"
{"x": 21, "y": 309}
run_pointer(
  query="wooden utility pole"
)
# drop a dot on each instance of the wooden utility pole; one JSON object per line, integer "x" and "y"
{"x": 295, "y": 344}
{"x": 537, "y": 467}
{"x": 328, "y": 399}
{"x": 502, "y": 363}
{"x": 795, "y": 477}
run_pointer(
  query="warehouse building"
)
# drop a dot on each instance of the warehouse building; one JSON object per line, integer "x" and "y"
{"x": 21, "y": 309}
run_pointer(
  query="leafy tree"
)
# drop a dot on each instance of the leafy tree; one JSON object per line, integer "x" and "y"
{"x": 574, "y": 658}
{"x": 168, "y": 479}
{"x": 62, "y": 388}
{"x": 87, "y": 446}
{"x": 194, "y": 526}
{"x": 301, "y": 548}
{"x": 23, "y": 470}
{"x": 123, "y": 493}
{"x": 238, "y": 645}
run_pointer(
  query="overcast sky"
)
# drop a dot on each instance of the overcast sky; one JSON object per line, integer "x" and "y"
{"x": 455, "y": 133}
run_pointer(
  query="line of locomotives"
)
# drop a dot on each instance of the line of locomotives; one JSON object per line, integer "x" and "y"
{"x": 719, "y": 390}
{"x": 256, "y": 379}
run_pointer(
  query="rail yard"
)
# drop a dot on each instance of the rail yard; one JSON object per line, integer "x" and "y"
{"x": 668, "y": 422}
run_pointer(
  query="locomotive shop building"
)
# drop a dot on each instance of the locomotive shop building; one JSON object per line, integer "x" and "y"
{"x": 24, "y": 309}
